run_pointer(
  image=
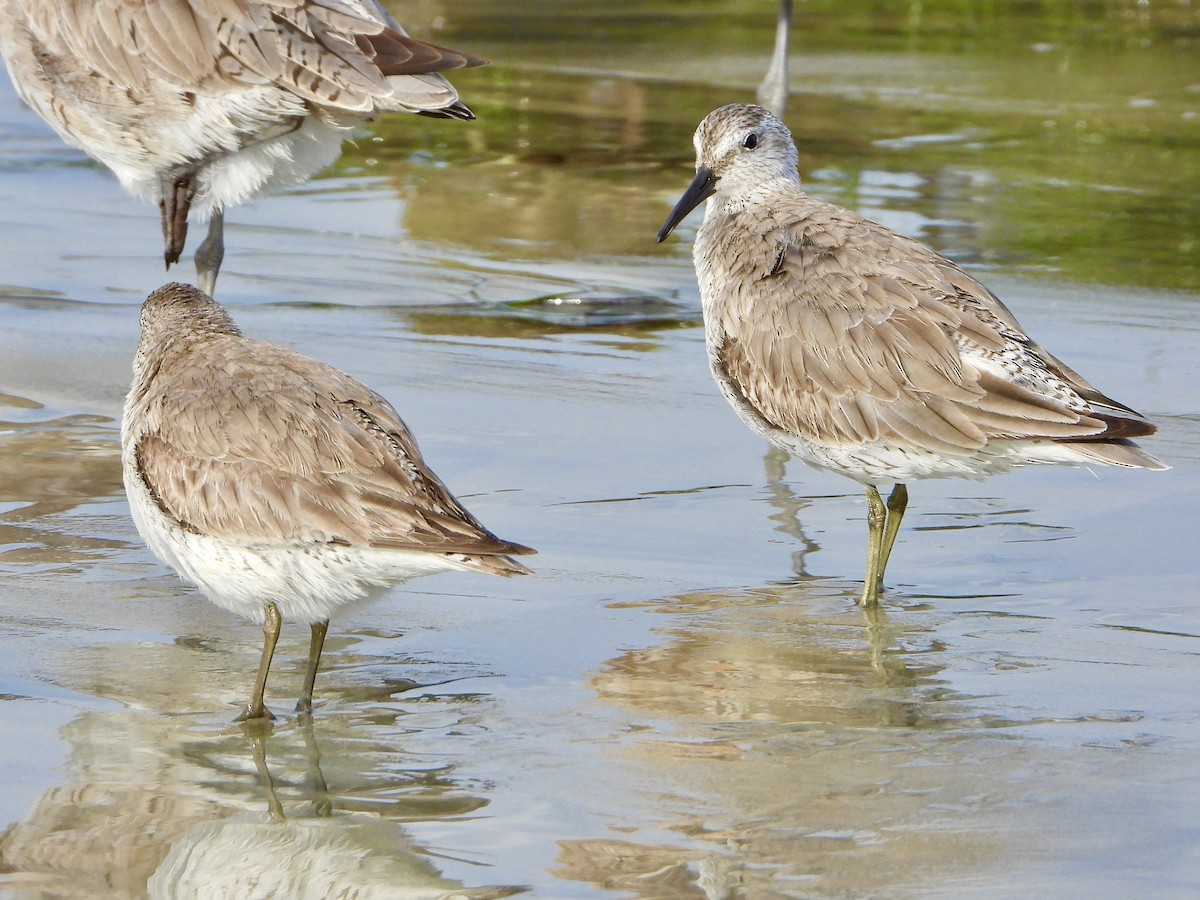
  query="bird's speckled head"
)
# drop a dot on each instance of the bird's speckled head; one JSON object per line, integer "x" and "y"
{"x": 177, "y": 315}
{"x": 744, "y": 145}
{"x": 740, "y": 148}
{"x": 184, "y": 309}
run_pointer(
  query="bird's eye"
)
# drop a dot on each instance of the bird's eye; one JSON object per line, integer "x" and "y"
{"x": 751, "y": 141}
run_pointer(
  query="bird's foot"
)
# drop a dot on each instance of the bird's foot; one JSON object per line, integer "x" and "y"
{"x": 255, "y": 712}
{"x": 870, "y": 596}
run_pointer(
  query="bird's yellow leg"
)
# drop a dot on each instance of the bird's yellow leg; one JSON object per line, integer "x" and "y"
{"x": 271, "y": 625}
{"x": 319, "y": 629}
{"x": 897, "y": 502}
{"x": 876, "y": 517}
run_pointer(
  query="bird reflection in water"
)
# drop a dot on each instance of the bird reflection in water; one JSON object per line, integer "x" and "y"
{"x": 307, "y": 851}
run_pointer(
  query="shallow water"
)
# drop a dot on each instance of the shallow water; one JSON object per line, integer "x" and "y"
{"x": 685, "y": 700}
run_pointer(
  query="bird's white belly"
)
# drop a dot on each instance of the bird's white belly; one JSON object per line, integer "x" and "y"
{"x": 244, "y": 143}
{"x": 880, "y": 463}
{"x": 307, "y": 582}
{"x": 281, "y": 151}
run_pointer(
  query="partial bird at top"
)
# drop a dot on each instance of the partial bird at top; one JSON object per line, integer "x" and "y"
{"x": 203, "y": 104}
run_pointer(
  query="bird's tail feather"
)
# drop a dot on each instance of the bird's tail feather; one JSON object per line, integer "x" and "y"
{"x": 1116, "y": 453}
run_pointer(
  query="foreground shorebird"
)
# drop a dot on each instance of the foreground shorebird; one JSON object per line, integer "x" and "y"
{"x": 203, "y": 104}
{"x": 860, "y": 350}
{"x": 278, "y": 485}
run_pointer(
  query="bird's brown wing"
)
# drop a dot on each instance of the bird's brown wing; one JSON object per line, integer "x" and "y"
{"x": 332, "y": 53}
{"x": 853, "y": 333}
{"x": 275, "y": 458}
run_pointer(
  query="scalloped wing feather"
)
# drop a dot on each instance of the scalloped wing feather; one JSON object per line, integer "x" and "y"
{"x": 331, "y": 53}
{"x": 907, "y": 350}
{"x": 277, "y": 459}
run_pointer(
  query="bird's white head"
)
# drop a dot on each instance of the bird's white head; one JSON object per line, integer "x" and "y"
{"x": 740, "y": 150}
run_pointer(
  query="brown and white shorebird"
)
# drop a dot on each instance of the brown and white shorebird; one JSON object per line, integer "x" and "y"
{"x": 278, "y": 485}
{"x": 859, "y": 350}
{"x": 203, "y": 104}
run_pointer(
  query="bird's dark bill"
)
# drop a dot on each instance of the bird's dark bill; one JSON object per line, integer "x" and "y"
{"x": 698, "y": 191}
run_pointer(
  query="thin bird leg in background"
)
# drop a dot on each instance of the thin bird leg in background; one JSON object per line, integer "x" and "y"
{"x": 210, "y": 253}
{"x": 876, "y": 517}
{"x": 271, "y": 625}
{"x": 773, "y": 92}
{"x": 319, "y": 629}
{"x": 897, "y": 502}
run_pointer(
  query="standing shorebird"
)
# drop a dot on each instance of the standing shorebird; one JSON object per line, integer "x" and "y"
{"x": 278, "y": 485}
{"x": 203, "y": 104}
{"x": 860, "y": 350}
